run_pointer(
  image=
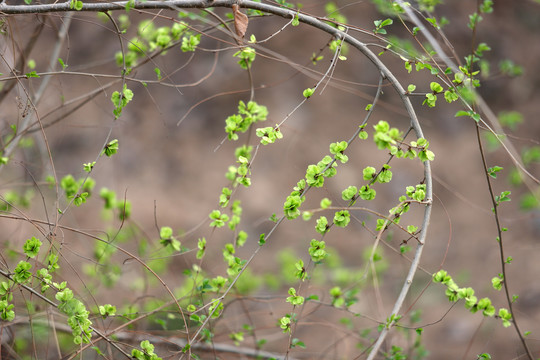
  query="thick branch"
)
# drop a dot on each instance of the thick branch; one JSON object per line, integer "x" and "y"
{"x": 111, "y": 6}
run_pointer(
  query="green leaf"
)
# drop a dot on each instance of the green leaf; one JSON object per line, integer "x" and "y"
{"x": 248, "y": 114}
{"x": 386, "y": 22}
{"x": 246, "y": 55}
{"x": 349, "y": 193}
{"x": 385, "y": 176}
{"x": 201, "y": 248}
{"x": 342, "y": 218}
{"x": 89, "y": 166}
{"x": 366, "y": 193}
{"x": 130, "y": 5}
{"x": 6, "y": 311}
{"x": 380, "y": 24}
{"x": 64, "y": 65}
{"x": 363, "y": 135}
{"x": 528, "y": 202}
{"x": 408, "y": 66}
{"x": 120, "y": 101}
{"x": 505, "y": 316}
{"x": 450, "y": 95}
{"x": 306, "y": 215}
{"x": 80, "y": 199}
{"x": 107, "y": 310}
{"x": 337, "y": 149}
{"x": 294, "y": 299}
{"x": 317, "y": 250}
{"x": 481, "y": 48}
{"x": 269, "y": 134}
{"x": 291, "y": 205}
{"x": 285, "y": 323}
{"x": 369, "y": 173}
{"x": 497, "y": 283}
{"x": 430, "y": 100}
{"x": 325, "y": 203}
{"x": 75, "y": 4}
{"x": 308, "y": 92}
{"x": 32, "y": 74}
{"x": 300, "y": 270}
{"x": 295, "y": 21}
{"x": 474, "y": 19}
{"x": 21, "y": 274}
{"x": 31, "y": 247}
{"x": 426, "y": 155}
{"x": 473, "y": 115}
{"x": 333, "y": 12}
{"x": 412, "y": 229}
{"x": 297, "y": 343}
{"x": 510, "y": 119}
{"x": 441, "y": 276}
{"x": 492, "y": 171}
{"x": 165, "y": 232}
{"x": 417, "y": 193}
{"x": 433, "y": 22}
{"x": 218, "y": 218}
{"x": 190, "y": 43}
{"x": 158, "y": 73}
{"x": 314, "y": 177}
{"x": 385, "y": 136}
{"x": 322, "y": 225}
{"x": 316, "y": 58}
{"x": 111, "y": 148}
{"x": 487, "y": 6}
{"x": 504, "y": 196}
{"x": 337, "y": 296}
{"x": 530, "y": 155}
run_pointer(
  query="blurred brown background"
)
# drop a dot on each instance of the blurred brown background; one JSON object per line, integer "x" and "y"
{"x": 175, "y": 174}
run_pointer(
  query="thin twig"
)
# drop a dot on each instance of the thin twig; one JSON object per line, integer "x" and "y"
{"x": 501, "y": 247}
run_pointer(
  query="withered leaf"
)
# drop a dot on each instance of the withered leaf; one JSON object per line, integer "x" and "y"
{"x": 240, "y": 21}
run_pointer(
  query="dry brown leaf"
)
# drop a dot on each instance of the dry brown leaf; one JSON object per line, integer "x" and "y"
{"x": 240, "y": 21}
